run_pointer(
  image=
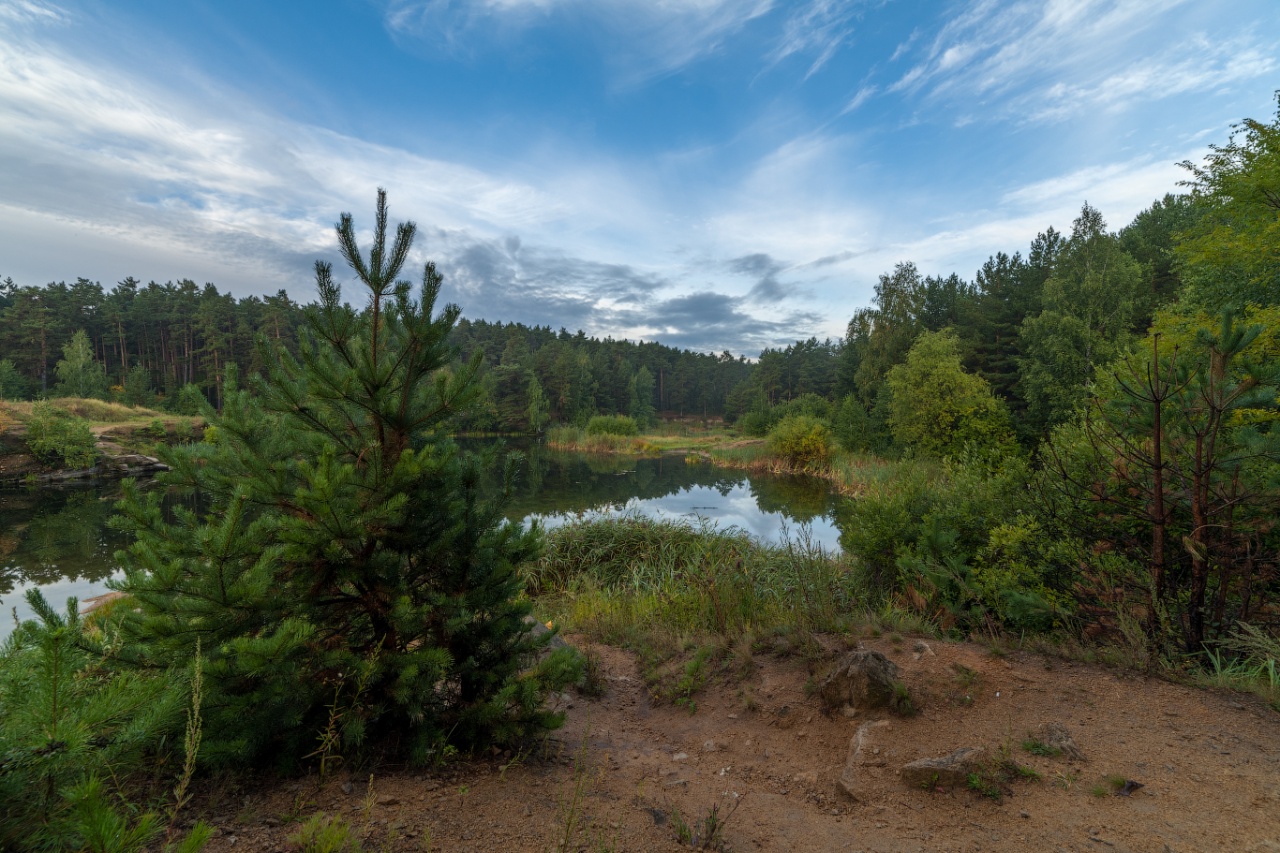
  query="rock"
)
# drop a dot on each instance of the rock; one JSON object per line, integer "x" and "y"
{"x": 680, "y": 756}
{"x": 921, "y": 649}
{"x": 806, "y": 777}
{"x": 1056, "y": 736}
{"x": 861, "y": 754}
{"x": 388, "y": 801}
{"x": 863, "y": 680}
{"x": 948, "y": 771}
{"x": 538, "y": 630}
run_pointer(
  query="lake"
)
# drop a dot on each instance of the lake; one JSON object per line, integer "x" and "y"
{"x": 58, "y": 539}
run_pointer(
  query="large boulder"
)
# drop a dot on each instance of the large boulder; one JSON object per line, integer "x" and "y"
{"x": 948, "y": 771}
{"x": 863, "y": 681}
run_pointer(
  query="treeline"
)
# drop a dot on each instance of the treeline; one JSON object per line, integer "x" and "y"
{"x": 143, "y": 344}
{"x": 1034, "y": 327}
{"x": 169, "y": 335}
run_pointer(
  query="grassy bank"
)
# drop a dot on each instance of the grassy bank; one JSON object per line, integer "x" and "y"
{"x": 693, "y": 600}
{"x": 672, "y": 439}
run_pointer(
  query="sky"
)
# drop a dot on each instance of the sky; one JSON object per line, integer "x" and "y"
{"x": 711, "y": 174}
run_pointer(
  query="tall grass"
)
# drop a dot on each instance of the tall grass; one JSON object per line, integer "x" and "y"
{"x": 574, "y": 438}
{"x": 97, "y": 411}
{"x": 630, "y": 580}
{"x": 851, "y": 474}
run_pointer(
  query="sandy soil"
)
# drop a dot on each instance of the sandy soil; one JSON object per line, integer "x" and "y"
{"x": 622, "y": 766}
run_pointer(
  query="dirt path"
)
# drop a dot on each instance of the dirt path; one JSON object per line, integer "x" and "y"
{"x": 1209, "y": 764}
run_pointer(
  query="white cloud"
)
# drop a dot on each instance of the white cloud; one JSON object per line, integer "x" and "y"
{"x": 1049, "y": 61}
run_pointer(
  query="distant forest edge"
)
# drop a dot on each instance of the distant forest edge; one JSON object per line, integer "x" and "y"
{"x": 1034, "y": 327}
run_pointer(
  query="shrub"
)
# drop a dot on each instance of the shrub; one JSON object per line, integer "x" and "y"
{"x": 612, "y": 425}
{"x": 57, "y": 437}
{"x": 800, "y": 439}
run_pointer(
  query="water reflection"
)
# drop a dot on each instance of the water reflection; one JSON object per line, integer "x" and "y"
{"x": 59, "y": 539}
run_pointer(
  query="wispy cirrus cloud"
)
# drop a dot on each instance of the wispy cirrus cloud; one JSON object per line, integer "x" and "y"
{"x": 1051, "y": 61}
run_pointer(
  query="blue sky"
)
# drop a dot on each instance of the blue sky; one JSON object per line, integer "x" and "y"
{"x": 716, "y": 174}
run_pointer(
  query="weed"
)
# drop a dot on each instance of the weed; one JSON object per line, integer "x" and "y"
{"x": 593, "y": 681}
{"x": 965, "y": 676}
{"x": 190, "y": 744}
{"x": 1099, "y": 790}
{"x": 1035, "y": 746}
{"x": 322, "y": 833}
{"x": 1028, "y": 772}
{"x": 982, "y": 784}
{"x": 707, "y": 833}
{"x": 895, "y": 638}
{"x": 1065, "y": 779}
{"x": 901, "y": 702}
{"x": 1115, "y": 781}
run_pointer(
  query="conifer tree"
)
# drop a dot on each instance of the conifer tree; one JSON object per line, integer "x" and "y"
{"x": 344, "y": 568}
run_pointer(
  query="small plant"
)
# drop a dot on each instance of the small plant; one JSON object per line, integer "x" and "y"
{"x": 981, "y": 783}
{"x": 1065, "y": 779}
{"x": 592, "y": 682}
{"x": 323, "y": 833}
{"x": 1099, "y": 790}
{"x": 1035, "y": 746}
{"x": 1115, "y": 782}
{"x": 901, "y": 702}
{"x": 966, "y": 677}
{"x": 706, "y": 833}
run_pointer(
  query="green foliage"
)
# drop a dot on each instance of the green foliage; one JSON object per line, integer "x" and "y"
{"x": 1229, "y": 253}
{"x": 137, "y": 388}
{"x": 961, "y": 545}
{"x": 1091, "y": 302}
{"x": 850, "y": 425}
{"x": 344, "y": 539}
{"x": 802, "y": 440}
{"x": 57, "y": 437}
{"x": 189, "y": 400}
{"x": 938, "y": 409}
{"x": 66, "y": 723}
{"x": 641, "y": 406}
{"x": 79, "y": 374}
{"x": 612, "y": 425}
{"x": 323, "y": 833}
{"x": 13, "y": 386}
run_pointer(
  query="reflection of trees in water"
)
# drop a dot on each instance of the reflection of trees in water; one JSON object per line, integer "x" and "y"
{"x": 555, "y": 483}
{"x": 800, "y": 499}
{"x": 54, "y": 534}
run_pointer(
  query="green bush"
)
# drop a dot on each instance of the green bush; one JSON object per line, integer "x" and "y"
{"x": 612, "y": 425}
{"x": 190, "y": 400}
{"x": 800, "y": 439}
{"x": 57, "y": 437}
{"x": 755, "y": 423}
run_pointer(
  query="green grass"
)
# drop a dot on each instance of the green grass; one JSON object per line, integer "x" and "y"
{"x": 672, "y": 589}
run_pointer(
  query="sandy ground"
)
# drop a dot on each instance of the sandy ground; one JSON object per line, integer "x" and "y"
{"x": 623, "y": 767}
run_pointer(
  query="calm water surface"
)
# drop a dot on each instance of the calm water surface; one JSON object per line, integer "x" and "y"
{"x": 59, "y": 539}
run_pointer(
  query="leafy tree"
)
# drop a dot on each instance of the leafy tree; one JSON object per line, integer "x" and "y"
{"x": 800, "y": 439}
{"x": 1231, "y": 255}
{"x": 79, "y": 374}
{"x": 936, "y": 408}
{"x": 348, "y": 568}
{"x": 1091, "y": 301}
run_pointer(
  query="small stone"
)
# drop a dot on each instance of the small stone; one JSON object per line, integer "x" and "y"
{"x": 680, "y": 756}
{"x": 710, "y": 746}
{"x": 676, "y": 783}
{"x": 947, "y": 771}
{"x": 1025, "y": 814}
{"x": 347, "y": 788}
{"x": 388, "y": 801}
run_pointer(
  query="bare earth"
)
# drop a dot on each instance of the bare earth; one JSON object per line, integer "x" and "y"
{"x": 1209, "y": 764}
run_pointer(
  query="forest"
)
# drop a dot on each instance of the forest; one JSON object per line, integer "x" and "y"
{"x": 1080, "y": 443}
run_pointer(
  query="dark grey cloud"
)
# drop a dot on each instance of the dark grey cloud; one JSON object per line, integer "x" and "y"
{"x": 764, "y": 269}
